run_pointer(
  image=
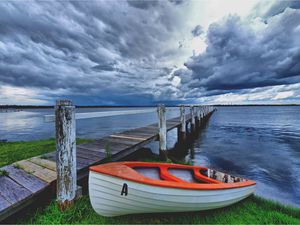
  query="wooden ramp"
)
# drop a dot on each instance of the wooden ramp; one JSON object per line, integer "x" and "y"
{"x": 26, "y": 180}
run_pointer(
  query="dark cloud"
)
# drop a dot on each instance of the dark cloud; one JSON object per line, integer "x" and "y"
{"x": 143, "y": 4}
{"x": 197, "y": 31}
{"x": 240, "y": 57}
{"x": 177, "y": 2}
{"x": 89, "y": 47}
{"x": 280, "y": 6}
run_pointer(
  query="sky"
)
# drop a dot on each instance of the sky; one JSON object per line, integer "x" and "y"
{"x": 149, "y": 52}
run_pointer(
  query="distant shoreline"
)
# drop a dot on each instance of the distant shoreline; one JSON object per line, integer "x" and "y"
{"x": 14, "y": 108}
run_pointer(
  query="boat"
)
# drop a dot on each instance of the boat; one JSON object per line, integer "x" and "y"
{"x": 121, "y": 188}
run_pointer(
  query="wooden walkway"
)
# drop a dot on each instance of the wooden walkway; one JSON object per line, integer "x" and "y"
{"x": 26, "y": 180}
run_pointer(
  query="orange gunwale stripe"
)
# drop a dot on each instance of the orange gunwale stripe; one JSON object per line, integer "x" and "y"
{"x": 117, "y": 169}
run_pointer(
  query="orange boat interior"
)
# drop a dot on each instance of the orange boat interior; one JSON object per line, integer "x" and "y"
{"x": 171, "y": 175}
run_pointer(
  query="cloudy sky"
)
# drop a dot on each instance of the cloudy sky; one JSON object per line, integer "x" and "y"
{"x": 145, "y": 52}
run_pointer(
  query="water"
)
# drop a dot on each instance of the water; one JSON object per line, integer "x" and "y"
{"x": 258, "y": 143}
{"x": 29, "y": 124}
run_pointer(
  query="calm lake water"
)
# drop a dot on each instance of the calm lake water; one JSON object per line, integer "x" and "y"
{"x": 259, "y": 143}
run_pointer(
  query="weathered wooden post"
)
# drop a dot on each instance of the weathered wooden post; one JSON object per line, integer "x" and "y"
{"x": 198, "y": 121}
{"x": 162, "y": 126}
{"x": 65, "y": 153}
{"x": 182, "y": 128}
{"x": 192, "y": 118}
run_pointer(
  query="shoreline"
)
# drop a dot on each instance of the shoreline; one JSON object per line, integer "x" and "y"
{"x": 16, "y": 108}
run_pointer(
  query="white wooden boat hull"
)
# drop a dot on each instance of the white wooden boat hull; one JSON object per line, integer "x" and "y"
{"x": 106, "y": 199}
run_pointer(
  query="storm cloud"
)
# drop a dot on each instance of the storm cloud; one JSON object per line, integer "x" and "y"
{"x": 241, "y": 55}
{"x": 90, "y": 48}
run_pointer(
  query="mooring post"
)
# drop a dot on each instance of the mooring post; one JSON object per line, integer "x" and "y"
{"x": 65, "y": 153}
{"x": 162, "y": 126}
{"x": 198, "y": 121}
{"x": 182, "y": 128}
{"x": 187, "y": 130}
{"x": 192, "y": 118}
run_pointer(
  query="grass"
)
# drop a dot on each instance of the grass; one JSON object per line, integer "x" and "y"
{"x": 108, "y": 152}
{"x": 253, "y": 210}
{"x": 4, "y": 173}
{"x": 11, "y": 152}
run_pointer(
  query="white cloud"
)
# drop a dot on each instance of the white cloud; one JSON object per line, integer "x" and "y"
{"x": 284, "y": 94}
{"x": 289, "y": 94}
{"x": 20, "y": 96}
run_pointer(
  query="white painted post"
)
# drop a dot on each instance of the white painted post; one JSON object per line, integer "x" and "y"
{"x": 65, "y": 153}
{"x": 182, "y": 128}
{"x": 162, "y": 126}
{"x": 192, "y": 117}
{"x": 182, "y": 119}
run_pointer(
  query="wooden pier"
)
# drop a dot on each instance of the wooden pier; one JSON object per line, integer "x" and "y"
{"x": 26, "y": 181}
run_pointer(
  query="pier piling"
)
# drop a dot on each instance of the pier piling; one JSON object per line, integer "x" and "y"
{"x": 182, "y": 127}
{"x": 65, "y": 153}
{"x": 192, "y": 118}
{"x": 162, "y": 126}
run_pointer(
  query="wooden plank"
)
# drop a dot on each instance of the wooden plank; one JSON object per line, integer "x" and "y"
{"x": 92, "y": 148}
{"x": 177, "y": 120}
{"x": 12, "y": 191}
{"x": 4, "y": 204}
{"x": 122, "y": 154}
{"x": 100, "y": 146}
{"x": 112, "y": 139}
{"x": 148, "y": 129}
{"x": 43, "y": 173}
{"x": 51, "y": 156}
{"x": 44, "y": 163}
{"x": 138, "y": 134}
{"x": 171, "y": 126}
{"x": 143, "y": 133}
{"x": 81, "y": 166}
{"x": 129, "y": 137}
{"x": 153, "y": 126}
{"x": 87, "y": 161}
{"x": 173, "y": 123}
{"x": 30, "y": 182}
{"x": 83, "y": 153}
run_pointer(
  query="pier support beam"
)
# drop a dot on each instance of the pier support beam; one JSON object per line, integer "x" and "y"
{"x": 65, "y": 153}
{"x": 192, "y": 118}
{"x": 182, "y": 127}
{"x": 198, "y": 116}
{"x": 162, "y": 126}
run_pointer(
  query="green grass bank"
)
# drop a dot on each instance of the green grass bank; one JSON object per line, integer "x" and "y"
{"x": 253, "y": 210}
{"x": 11, "y": 152}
